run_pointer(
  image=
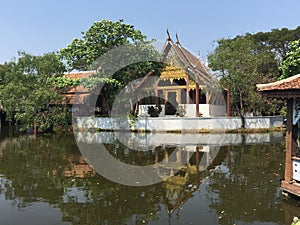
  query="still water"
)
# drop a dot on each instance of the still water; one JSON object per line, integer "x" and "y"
{"x": 228, "y": 179}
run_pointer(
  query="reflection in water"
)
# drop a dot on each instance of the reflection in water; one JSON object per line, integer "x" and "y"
{"x": 77, "y": 167}
{"x": 47, "y": 179}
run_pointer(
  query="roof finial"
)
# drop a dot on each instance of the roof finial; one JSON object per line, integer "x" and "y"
{"x": 177, "y": 39}
{"x": 169, "y": 38}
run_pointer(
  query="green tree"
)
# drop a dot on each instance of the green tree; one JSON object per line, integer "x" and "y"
{"x": 101, "y": 37}
{"x": 7, "y": 101}
{"x": 249, "y": 59}
{"x": 291, "y": 65}
{"x": 28, "y": 94}
{"x": 241, "y": 64}
{"x": 278, "y": 40}
{"x": 116, "y": 44}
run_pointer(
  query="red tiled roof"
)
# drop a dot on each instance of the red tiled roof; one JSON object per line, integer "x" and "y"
{"x": 80, "y": 98}
{"x": 290, "y": 83}
{"x": 76, "y": 75}
{"x": 82, "y": 93}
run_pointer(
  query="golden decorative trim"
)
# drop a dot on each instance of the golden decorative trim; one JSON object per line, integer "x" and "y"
{"x": 173, "y": 72}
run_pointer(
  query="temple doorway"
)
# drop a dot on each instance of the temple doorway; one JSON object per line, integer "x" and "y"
{"x": 171, "y": 103}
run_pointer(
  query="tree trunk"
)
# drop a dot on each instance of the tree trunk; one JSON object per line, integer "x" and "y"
{"x": 35, "y": 128}
{"x": 136, "y": 111}
{"x": 242, "y": 112}
{"x": 131, "y": 107}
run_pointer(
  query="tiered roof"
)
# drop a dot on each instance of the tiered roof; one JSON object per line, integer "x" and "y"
{"x": 188, "y": 62}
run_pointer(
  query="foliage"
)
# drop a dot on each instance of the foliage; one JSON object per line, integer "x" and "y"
{"x": 95, "y": 80}
{"x": 28, "y": 92}
{"x": 64, "y": 82}
{"x": 117, "y": 51}
{"x": 296, "y": 221}
{"x": 132, "y": 120}
{"x": 242, "y": 64}
{"x": 31, "y": 87}
{"x": 102, "y": 36}
{"x": 246, "y": 60}
{"x": 154, "y": 111}
{"x": 291, "y": 65}
{"x": 278, "y": 40}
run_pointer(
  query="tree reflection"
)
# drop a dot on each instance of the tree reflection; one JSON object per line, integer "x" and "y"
{"x": 249, "y": 191}
{"x": 243, "y": 187}
{"x": 51, "y": 169}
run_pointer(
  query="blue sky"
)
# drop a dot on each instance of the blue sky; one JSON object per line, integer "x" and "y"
{"x": 38, "y": 27}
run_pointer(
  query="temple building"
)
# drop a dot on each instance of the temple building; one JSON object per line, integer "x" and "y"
{"x": 184, "y": 87}
{"x": 186, "y": 84}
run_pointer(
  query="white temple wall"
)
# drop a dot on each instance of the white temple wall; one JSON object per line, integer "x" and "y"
{"x": 207, "y": 110}
{"x": 179, "y": 124}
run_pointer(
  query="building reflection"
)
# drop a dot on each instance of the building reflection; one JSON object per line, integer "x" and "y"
{"x": 60, "y": 175}
{"x": 78, "y": 167}
{"x": 180, "y": 183}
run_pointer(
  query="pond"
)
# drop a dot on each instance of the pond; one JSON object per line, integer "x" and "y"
{"x": 224, "y": 179}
